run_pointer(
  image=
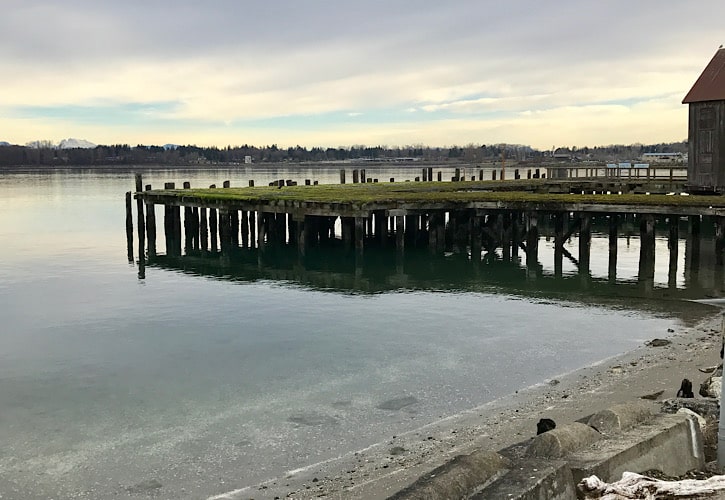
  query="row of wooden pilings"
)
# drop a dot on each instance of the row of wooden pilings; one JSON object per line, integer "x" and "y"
{"x": 222, "y": 230}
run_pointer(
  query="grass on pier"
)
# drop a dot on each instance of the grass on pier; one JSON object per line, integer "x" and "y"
{"x": 429, "y": 192}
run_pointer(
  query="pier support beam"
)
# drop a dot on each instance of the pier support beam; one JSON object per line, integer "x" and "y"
{"x": 261, "y": 230}
{"x": 613, "y": 230}
{"x": 400, "y": 234}
{"x": 558, "y": 243}
{"x": 532, "y": 240}
{"x": 719, "y": 240}
{"x": 673, "y": 246}
{"x": 476, "y": 238}
{"x": 585, "y": 243}
{"x": 647, "y": 251}
{"x": 360, "y": 235}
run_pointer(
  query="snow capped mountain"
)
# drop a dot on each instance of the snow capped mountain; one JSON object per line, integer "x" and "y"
{"x": 170, "y": 146}
{"x": 75, "y": 143}
{"x": 3, "y": 143}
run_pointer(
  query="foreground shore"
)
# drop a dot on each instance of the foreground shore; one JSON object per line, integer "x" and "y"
{"x": 387, "y": 467}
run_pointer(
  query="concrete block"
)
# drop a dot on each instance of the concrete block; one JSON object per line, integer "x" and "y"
{"x": 532, "y": 480}
{"x": 458, "y": 478}
{"x": 669, "y": 443}
{"x": 620, "y": 418}
{"x": 563, "y": 440}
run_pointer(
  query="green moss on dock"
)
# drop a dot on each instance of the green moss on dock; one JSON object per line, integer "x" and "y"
{"x": 432, "y": 192}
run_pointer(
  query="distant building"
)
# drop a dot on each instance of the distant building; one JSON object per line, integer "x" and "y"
{"x": 247, "y": 159}
{"x": 664, "y": 157}
{"x": 706, "y": 154}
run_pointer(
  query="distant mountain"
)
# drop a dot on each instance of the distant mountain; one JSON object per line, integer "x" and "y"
{"x": 170, "y": 146}
{"x": 3, "y": 143}
{"x": 75, "y": 143}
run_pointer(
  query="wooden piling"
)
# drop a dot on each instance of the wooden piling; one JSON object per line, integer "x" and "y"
{"x": 355, "y": 176}
{"x": 151, "y": 226}
{"x": 673, "y": 246}
{"x": 245, "y": 229}
{"x": 647, "y": 251}
{"x": 532, "y": 240}
{"x": 359, "y": 235}
{"x": 585, "y": 241}
{"x": 342, "y": 176}
{"x": 613, "y": 236}
{"x": 129, "y": 226}
{"x": 400, "y": 233}
{"x": 558, "y": 243}
{"x": 213, "y": 229}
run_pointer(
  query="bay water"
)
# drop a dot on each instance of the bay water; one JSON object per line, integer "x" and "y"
{"x": 184, "y": 383}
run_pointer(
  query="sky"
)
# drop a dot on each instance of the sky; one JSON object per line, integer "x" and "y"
{"x": 336, "y": 73}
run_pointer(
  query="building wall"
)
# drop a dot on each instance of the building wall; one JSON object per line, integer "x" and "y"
{"x": 706, "y": 166}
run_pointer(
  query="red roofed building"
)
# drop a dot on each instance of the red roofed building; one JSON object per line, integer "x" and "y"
{"x": 706, "y": 98}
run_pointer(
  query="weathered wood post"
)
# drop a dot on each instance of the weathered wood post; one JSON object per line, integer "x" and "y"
{"x": 151, "y": 226}
{"x": 252, "y": 228}
{"x": 613, "y": 230}
{"x": 440, "y": 176}
{"x": 430, "y": 174}
{"x": 359, "y": 235}
{"x": 203, "y": 230}
{"x": 213, "y": 229}
{"x": 226, "y": 184}
{"x": 476, "y": 237}
{"x": 399, "y": 233}
{"x": 301, "y": 236}
{"x": 362, "y": 175}
{"x": 673, "y": 246}
{"x": 425, "y": 175}
{"x": 251, "y": 183}
{"x": 245, "y": 229}
{"x": 355, "y": 176}
{"x": 719, "y": 240}
{"x": 261, "y": 232}
{"x": 342, "y": 176}
{"x": 532, "y": 240}
{"x": 585, "y": 242}
{"x": 129, "y": 226}
{"x": 381, "y": 227}
{"x": 234, "y": 228}
{"x": 647, "y": 251}
{"x": 141, "y": 228}
{"x": 558, "y": 243}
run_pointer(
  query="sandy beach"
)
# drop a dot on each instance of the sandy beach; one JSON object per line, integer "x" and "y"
{"x": 382, "y": 469}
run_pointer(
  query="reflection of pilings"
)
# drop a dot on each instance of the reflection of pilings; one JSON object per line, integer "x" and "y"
{"x": 613, "y": 229}
{"x": 673, "y": 246}
{"x": 129, "y": 227}
{"x": 647, "y": 251}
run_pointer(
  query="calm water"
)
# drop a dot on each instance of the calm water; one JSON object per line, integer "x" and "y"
{"x": 202, "y": 378}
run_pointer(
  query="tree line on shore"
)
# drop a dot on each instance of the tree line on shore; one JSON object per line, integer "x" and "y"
{"x": 43, "y": 153}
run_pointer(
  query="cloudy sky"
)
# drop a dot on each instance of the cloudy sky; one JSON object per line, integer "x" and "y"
{"x": 338, "y": 72}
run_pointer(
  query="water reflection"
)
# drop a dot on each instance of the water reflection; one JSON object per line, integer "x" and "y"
{"x": 340, "y": 271}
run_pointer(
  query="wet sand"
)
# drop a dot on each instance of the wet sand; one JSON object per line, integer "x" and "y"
{"x": 384, "y": 468}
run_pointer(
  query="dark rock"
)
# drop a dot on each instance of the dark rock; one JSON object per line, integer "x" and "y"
{"x": 685, "y": 389}
{"x": 397, "y": 450}
{"x": 658, "y": 342}
{"x": 654, "y": 396}
{"x": 545, "y": 425}
{"x": 703, "y": 407}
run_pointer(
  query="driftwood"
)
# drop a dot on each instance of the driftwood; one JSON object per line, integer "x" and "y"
{"x": 637, "y": 487}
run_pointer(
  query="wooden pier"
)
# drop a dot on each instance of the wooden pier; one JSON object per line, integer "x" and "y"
{"x": 461, "y": 217}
